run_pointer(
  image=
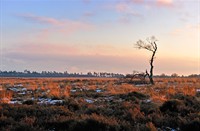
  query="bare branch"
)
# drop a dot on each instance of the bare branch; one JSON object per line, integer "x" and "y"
{"x": 151, "y": 46}
{"x": 155, "y": 46}
{"x": 142, "y": 45}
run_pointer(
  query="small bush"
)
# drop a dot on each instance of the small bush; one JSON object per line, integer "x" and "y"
{"x": 191, "y": 126}
{"x": 29, "y": 102}
{"x": 172, "y": 106}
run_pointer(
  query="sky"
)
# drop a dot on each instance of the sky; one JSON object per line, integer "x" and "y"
{"x": 99, "y": 35}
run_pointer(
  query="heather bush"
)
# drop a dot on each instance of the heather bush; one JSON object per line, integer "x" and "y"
{"x": 29, "y": 102}
{"x": 149, "y": 108}
{"x": 118, "y": 107}
{"x": 172, "y": 106}
{"x": 191, "y": 126}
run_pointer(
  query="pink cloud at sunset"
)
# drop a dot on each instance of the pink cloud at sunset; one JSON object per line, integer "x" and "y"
{"x": 121, "y": 7}
{"x": 45, "y": 49}
{"x": 136, "y": 1}
{"x": 164, "y": 2}
{"x": 127, "y": 8}
{"x": 41, "y": 20}
{"x": 64, "y": 26}
{"x": 187, "y": 31}
{"x": 56, "y": 49}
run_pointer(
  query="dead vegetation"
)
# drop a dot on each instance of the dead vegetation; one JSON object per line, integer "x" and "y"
{"x": 99, "y": 104}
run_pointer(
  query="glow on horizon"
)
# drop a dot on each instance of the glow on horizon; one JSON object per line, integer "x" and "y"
{"x": 89, "y": 35}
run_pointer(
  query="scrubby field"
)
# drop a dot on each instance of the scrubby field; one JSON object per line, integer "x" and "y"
{"x": 99, "y": 104}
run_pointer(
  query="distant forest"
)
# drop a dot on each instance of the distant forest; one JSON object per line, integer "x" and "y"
{"x": 28, "y": 73}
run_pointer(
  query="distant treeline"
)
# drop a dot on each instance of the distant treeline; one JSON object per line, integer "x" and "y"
{"x": 176, "y": 75}
{"x": 27, "y": 73}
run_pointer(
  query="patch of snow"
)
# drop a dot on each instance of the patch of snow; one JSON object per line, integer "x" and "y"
{"x": 109, "y": 98}
{"x": 32, "y": 98}
{"x": 14, "y": 102}
{"x": 147, "y": 101}
{"x": 44, "y": 101}
{"x": 49, "y": 101}
{"x": 139, "y": 85}
{"x": 43, "y": 93}
{"x": 14, "y": 89}
{"x": 29, "y": 92}
{"x": 170, "y": 129}
{"x": 197, "y": 90}
{"x": 89, "y": 101}
{"x": 18, "y": 85}
{"x": 73, "y": 90}
{"x": 53, "y": 102}
{"x": 23, "y": 89}
{"x": 98, "y": 90}
{"x": 22, "y": 93}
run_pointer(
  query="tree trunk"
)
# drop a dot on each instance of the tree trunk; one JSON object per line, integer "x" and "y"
{"x": 151, "y": 69}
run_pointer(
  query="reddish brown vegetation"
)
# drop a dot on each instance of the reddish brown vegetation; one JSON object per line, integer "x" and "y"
{"x": 99, "y": 104}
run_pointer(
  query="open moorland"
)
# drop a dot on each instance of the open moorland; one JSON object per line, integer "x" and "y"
{"x": 99, "y": 104}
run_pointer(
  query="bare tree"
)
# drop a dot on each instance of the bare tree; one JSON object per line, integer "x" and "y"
{"x": 150, "y": 46}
